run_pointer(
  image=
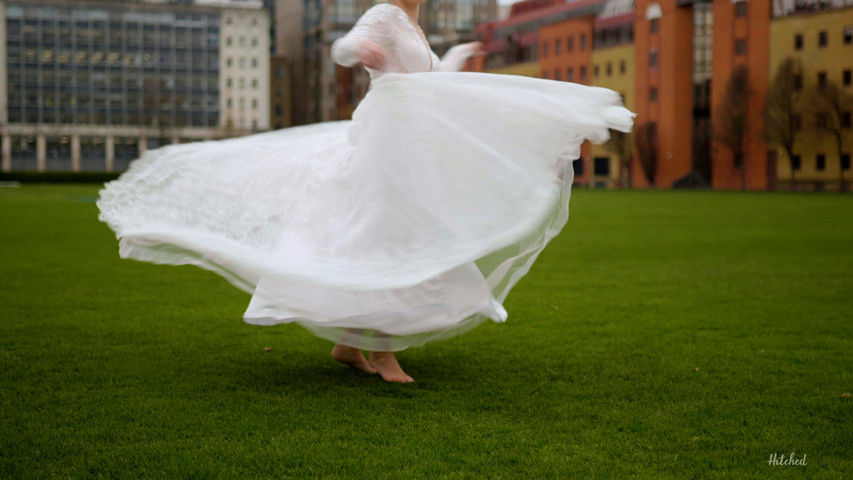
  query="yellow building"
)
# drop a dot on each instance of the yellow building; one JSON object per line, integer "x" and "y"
{"x": 613, "y": 68}
{"x": 823, "y": 44}
{"x": 528, "y": 69}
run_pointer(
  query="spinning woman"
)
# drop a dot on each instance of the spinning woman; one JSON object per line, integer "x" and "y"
{"x": 408, "y": 224}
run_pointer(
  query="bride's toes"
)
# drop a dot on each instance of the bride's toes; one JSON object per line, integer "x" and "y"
{"x": 387, "y": 366}
{"x": 352, "y": 357}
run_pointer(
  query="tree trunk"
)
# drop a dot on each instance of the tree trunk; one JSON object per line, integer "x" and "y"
{"x": 839, "y": 145}
{"x": 793, "y": 178}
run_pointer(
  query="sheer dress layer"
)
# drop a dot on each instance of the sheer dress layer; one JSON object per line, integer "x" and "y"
{"x": 408, "y": 224}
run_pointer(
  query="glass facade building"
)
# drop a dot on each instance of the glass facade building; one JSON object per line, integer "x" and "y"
{"x": 111, "y": 66}
{"x": 90, "y": 85}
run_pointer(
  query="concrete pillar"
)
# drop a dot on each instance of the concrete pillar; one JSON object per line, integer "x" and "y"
{"x": 110, "y": 145}
{"x": 143, "y": 145}
{"x": 7, "y": 153}
{"x": 75, "y": 153}
{"x": 41, "y": 152}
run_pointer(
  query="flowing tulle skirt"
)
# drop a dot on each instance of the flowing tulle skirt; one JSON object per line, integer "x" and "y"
{"x": 407, "y": 224}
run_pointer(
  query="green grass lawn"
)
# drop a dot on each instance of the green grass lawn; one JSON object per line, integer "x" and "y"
{"x": 661, "y": 335}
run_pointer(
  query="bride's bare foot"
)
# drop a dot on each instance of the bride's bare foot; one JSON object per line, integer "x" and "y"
{"x": 387, "y": 366}
{"x": 352, "y": 357}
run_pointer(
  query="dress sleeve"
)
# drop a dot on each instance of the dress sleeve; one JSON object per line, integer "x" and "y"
{"x": 454, "y": 59}
{"x": 373, "y": 26}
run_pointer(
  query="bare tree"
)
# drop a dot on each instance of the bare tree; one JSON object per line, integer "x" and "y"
{"x": 828, "y": 105}
{"x": 782, "y": 110}
{"x": 730, "y": 123}
{"x": 647, "y": 149}
{"x": 622, "y": 145}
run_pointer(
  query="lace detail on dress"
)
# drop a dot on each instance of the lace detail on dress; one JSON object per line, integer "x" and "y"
{"x": 405, "y": 48}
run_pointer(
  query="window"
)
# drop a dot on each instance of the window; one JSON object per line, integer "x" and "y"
{"x": 557, "y": 74}
{"x": 795, "y": 162}
{"x": 228, "y": 82}
{"x": 601, "y": 166}
{"x": 254, "y": 83}
{"x": 822, "y": 39}
{"x": 254, "y": 42}
{"x": 848, "y": 35}
{"x": 254, "y": 104}
{"x": 583, "y": 73}
{"x": 740, "y": 45}
{"x": 845, "y": 120}
{"x": 609, "y": 69}
{"x": 583, "y": 41}
{"x": 821, "y": 79}
{"x": 254, "y": 62}
{"x": 228, "y": 61}
{"x": 845, "y": 161}
{"x": 796, "y": 122}
{"x": 558, "y": 46}
{"x": 545, "y": 50}
{"x": 654, "y": 25}
{"x": 740, "y": 9}
{"x": 653, "y": 59}
{"x": 623, "y": 67}
{"x": 570, "y": 74}
{"x": 595, "y": 71}
{"x": 798, "y": 42}
{"x": 821, "y": 162}
{"x": 653, "y": 94}
{"x": 798, "y": 82}
{"x": 820, "y": 121}
{"x": 570, "y": 44}
{"x": 545, "y": 75}
{"x": 846, "y": 78}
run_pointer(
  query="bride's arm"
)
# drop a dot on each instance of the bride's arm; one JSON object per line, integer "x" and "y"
{"x": 454, "y": 59}
{"x": 366, "y": 41}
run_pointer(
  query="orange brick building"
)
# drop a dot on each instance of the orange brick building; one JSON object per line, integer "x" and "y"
{"x": 742, "y": 37}
{"x": 664, "y": 54}
{"x": 682, "y": 54}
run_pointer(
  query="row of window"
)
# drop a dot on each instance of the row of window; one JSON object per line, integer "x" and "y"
{"x": 241, "y": 41}
{"x": 820, "y": 162}
{"x": 823, "y": 38}
{"x": 48, "y": 13}
{"x": 115, "y": 35}
{"x": 180, "y": 118}
{"x": 241, "y": 62}
{"x": 823, "y": 79}
{"x": 570, "y": 45}
{"x": 822, "y": 121}
{"x": 600, "y": 166}
{"x": 241, "y": 102}
{"x": 117, "y": 82}
{"x": 241, "y": 83}
{"x": 570, "y": 72}
{"x": 148, "y": 59}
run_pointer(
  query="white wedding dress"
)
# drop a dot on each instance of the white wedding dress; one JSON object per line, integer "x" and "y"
{"x": 409, "y": 223}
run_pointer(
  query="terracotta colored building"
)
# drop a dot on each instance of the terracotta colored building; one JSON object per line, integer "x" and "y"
{"x": 742, "y": 37}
